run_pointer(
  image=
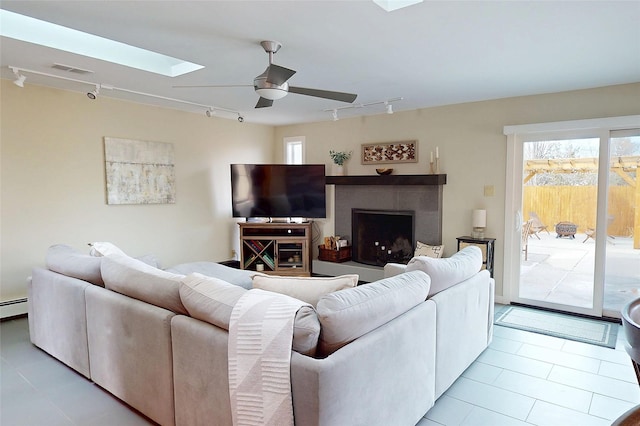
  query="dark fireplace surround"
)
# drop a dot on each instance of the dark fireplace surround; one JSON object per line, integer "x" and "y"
{"x": 419, "y": 197}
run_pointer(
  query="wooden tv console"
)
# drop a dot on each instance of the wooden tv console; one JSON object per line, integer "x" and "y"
{"x": 280, "y": 248}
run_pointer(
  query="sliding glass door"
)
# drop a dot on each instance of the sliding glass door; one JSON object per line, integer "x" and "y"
{"x": 559, "y": 208}
{"x": 622, "y": 258}
{"x": 573, "y": 193}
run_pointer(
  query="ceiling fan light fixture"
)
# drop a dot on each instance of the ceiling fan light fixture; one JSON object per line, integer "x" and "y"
{"x": 272, "y": 93}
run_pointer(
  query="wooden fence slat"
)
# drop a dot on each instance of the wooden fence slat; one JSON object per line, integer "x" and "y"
{"x": 577, "y": 204}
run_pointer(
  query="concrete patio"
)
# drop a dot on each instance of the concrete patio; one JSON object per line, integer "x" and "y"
{"x": 560, "y": 270}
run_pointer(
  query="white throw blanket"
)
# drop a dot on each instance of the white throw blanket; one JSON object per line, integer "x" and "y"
{"x": 260, "y": 336}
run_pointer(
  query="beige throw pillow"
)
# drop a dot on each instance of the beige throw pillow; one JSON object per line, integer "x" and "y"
{"x": 307, "y": 289}
{"x": 212, "y": 300}
{"x": 423, "y": 249}
{"x": 101, "y": 248}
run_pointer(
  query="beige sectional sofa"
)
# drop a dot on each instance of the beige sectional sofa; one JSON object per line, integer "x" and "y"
{"x": 386, "y": 350}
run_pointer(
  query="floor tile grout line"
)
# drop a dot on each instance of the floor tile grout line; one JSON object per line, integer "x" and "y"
{"x": 550, "y": 381}
{"x": 488, "y": 409}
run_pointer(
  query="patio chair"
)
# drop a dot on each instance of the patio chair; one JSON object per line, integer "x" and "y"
{"x": 526, "y": 230}
{"x": 536, "y": 225}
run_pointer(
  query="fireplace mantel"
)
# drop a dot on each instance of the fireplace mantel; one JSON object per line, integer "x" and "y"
{"x": 387, "y": 180}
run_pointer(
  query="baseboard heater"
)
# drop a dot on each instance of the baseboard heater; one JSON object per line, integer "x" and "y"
{"x": 13, "y": 308}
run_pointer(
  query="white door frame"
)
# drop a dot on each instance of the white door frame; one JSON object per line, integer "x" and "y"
{"x": 516, "y": 136}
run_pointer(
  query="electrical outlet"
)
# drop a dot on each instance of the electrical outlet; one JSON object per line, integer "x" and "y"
{"x": 233, "y": 253}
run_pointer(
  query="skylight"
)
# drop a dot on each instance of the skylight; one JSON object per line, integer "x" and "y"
{"x": 25, "y": 28}
{"x": 391, "y": 5}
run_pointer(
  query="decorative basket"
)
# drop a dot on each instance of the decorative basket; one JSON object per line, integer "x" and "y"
{"x": 341, "y": 255}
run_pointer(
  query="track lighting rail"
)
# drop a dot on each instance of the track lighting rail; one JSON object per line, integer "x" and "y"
{"x": 386, "y": 102}
{"x": 210, "y": 110}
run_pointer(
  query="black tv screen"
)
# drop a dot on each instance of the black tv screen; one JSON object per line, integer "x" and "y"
{"x": 278, "y": 190}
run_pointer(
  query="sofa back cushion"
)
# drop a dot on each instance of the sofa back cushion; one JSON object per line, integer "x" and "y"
{"x": 66, "y": 260}
{"x": 448, "y": 271}
{"x": 134, "y": 278}
{"x": 307, "y": 289}
{"x": 239, "y": 277}
{"x": 348, "y": 314}
{"x": 212, "y": 300}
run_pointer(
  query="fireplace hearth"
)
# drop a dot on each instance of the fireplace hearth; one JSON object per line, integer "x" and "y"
{"x": 382, "y": 236}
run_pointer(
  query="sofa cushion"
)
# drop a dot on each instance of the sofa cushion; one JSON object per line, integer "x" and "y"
{"x": 66, "y": 260}
{"x": 134, "y": 278}
{"x": 239, "y": 277}
{"x": 212, "y": 300}
{"x": 423, "y": 249}
{"x": 348, "y": 314}
{"x": 209, "y": 299}
{"x": 448, "y": 271}
{"x": 307, "y": 289}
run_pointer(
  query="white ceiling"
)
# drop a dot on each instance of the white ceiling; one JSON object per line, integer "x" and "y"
{"x": 433, "y": 53}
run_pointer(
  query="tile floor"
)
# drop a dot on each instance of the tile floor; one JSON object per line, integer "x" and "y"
{"x": 521, "y": 379}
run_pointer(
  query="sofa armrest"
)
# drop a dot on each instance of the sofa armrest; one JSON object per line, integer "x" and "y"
{"x": 391, "y": 269}
{"x": 465, "y": 314}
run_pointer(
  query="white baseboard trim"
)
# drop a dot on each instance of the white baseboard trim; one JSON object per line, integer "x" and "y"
{"x": 12, "y": 308}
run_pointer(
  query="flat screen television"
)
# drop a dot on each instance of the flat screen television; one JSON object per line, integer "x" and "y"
{"x": 278, "y": 190}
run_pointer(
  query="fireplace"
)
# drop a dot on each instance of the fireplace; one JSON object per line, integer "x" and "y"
{"x": 382, "y": 236}
{"x": 423, "y": 200}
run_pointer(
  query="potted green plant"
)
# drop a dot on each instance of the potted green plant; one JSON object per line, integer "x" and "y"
{"x": 338, "y": 158}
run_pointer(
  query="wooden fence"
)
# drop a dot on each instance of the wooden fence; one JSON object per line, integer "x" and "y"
{"x": 577, "y": 204}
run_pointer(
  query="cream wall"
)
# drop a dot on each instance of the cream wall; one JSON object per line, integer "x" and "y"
{"x": 53, "y": 179}
{"x": 52, "y": 184}
{"x": 471, "y": 144}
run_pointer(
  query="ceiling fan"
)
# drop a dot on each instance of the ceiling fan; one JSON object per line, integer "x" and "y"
{"x": 272, "y": 83}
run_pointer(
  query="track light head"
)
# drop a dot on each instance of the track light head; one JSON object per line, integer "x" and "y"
{"x": 240, "y": 118}
{"x": 389, "y": 108}
{"x": 94, "y": 93}
{"x": 334, "y": 115}
{"x": 19, "y": 81}
{"x": 210, "y": 112}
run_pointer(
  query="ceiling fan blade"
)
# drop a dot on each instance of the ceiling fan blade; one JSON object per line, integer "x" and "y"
{"x": 327, "y": 94}
{"x": 264, "y": 102}
{"x": 212, "y": 85}
{"x": 278, "y": 75}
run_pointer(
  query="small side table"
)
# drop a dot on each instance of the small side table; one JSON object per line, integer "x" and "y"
{"x": 487, "y": 245}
